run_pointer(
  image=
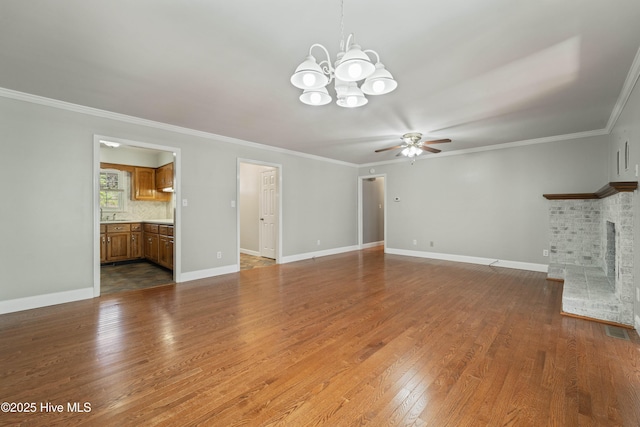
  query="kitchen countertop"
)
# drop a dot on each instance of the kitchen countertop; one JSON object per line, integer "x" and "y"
{"x": 149, "y": 221}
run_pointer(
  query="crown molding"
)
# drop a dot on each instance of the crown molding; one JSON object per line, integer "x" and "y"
{"x": 63, "y": 105}
{"x": 625, "y": 93}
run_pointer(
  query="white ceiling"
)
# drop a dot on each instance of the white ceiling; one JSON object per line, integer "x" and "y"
{"x": 479, "y": 72}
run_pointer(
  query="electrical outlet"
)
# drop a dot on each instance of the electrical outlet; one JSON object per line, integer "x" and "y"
{"x": 185, "y": 202}
{"x": 219, "y": 255}
{"x": 431, "y": 243}
{"x": 545, "y": 252}
{"x": 415, "y": 242}
{"x": 318, "y": 243}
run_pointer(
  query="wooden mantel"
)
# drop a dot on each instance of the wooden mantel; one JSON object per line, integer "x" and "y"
{"x": 608, "y": 190}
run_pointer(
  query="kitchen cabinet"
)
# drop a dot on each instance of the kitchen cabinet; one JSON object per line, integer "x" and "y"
{"x": 128, "y": 241}
{"x": 118, "y": 242}
{"x": 164, "y": 177}
{"x": 151, "y": 245}
{"x": 137, "y": 248}
{"x": 166, "y": 246}
{"x": 159, "y": 244}
{"x": 143, "y": 184}
{"x": 103, "y": 243}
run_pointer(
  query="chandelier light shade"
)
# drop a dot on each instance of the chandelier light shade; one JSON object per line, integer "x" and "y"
{"x": 309, "y": 75}
{"x": 380, "y": 82}
{"x": 352, "y": 66}
{"x": 318, "y": 96}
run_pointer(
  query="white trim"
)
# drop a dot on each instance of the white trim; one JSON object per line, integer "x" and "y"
{"x": 372, "y": 245}
{"x": 543, "y": 268}
{"x": 210, "y": 272}
{"x": 625, "y": 93}
{"x": 249, "y": 252}
{"x": 38, "y": 301}
{"x": 632, "y": 77}
{"x": 326, "y": 252}
{"x": 49, "y": 102}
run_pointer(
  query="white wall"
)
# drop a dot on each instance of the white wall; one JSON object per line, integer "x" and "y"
{"x": 627, "y": 128}
{"x": 48, "y": 243}
{"x": 250, "y": 206}
{"x": 487, "y": 204}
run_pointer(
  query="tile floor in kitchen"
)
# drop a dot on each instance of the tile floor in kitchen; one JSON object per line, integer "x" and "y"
{"x": 140, "y": 275}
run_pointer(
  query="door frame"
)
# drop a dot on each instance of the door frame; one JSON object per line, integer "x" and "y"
{"x": 361, "y": 210}
{"x": 177, "y": 266}
{"x": 278, "y": 168}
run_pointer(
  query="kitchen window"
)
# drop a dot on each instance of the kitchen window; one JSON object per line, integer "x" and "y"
{"x": 112, "y": 194}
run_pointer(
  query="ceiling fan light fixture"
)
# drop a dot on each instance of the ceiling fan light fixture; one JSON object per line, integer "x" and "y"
{"x": 314, "y": 97}
{"x": 309, "y": 75}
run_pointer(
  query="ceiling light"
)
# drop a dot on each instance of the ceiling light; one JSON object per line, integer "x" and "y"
{"x": 110, "y": 144}
{"x": 351, "y": 66}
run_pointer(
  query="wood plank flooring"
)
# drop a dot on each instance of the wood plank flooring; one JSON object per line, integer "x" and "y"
{"x": 352, "y": 339}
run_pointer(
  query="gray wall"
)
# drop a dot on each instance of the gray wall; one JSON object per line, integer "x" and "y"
{"x": 627, "y": 128}
{"x": 373, "y": 210}
{"x": 487, "y": 204}
{"x": 47, "y": 157}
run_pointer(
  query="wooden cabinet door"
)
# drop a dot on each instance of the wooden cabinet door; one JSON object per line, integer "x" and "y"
{"x": 170, "y": 253}
{"x": 137, "y": 250}
{"x": 144, "y": 184}
{"x": 164, "y": 242}
{"x": 151, "y": 247}
{"x": 103, "y": 247}
{"x": 166, "y": 252}
{"x": 118, "y": 246}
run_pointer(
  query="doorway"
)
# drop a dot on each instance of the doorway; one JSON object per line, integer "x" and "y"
{"x": 259, "y": 207}
{"x": 372, "y": 211}
{"x": 136, "y": 185}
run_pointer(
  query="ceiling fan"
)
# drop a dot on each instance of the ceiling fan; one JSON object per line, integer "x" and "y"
{"x": 412, "y": 147}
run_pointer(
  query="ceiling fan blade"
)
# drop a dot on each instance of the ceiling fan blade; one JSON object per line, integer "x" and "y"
{"x": 437, "y": 141}
{"x": 389, "y": 148}
{"x": 431, "y": 150}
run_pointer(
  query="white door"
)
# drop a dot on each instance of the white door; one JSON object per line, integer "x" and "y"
{"x": 268, "y": 211}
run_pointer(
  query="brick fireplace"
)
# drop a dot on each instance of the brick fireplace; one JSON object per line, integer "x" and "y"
{"x": 591, "y": 250}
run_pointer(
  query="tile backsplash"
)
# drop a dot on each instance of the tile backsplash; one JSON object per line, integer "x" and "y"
{"x": 141, "y": 210}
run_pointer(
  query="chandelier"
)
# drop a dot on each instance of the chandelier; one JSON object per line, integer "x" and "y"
{"x": 352, "y": 66}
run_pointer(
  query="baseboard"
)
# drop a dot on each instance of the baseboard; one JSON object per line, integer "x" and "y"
{"x": 210, "y": 272}
{"x": 38, "y": 301}
{"x": 249, "y": 252}
{"x": 372, "y": 244}
{"x": 471, "y": 260}
{"x": 309, "y": 255}
{"x": 595, "y": 319}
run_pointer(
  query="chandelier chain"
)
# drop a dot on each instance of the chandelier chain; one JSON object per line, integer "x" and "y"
{"x": 342, "y": 47}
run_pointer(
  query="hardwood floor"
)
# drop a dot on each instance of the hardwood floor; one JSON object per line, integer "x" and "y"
{"x": 352, "y": 339}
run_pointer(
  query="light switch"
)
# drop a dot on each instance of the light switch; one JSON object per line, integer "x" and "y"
{"x": 185, "y": 202}
{"x": 233, "y": 203}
